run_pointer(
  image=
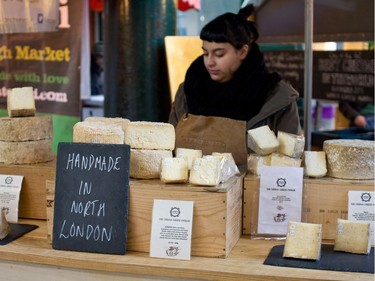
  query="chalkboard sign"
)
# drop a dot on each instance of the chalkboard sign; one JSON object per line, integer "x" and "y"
{"x": 91, "y": 197}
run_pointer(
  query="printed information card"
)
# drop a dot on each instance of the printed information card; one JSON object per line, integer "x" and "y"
{"x": 171, "y": 229}
{"x": 280, "y": 198}
{"x": 10, "y": 189}
{"x": 361, "y": 208}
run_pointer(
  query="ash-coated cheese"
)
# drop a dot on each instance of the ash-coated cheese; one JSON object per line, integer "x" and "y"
{"x": 315, "y": 164}
{"x": 150, "y": 135}
{"x": 352, "y": 237}
{"x": 123, "y": 122}
{"x": 262, "y": 140}
{"x": 26, "y": 152}
{"x": 290, "y": 145}
{"x": 303, "y": 241}
{"x": 206, "y": 171}
{"x": 350, "y": 158}
{"x": 174, "y": 170}
{"x": 189, "y": 154}
{"x": 281, "y": 160}
{"x": 255, "y": 162}
{"x": 98, "y": 132}
{"x": 146, "y": 163}
{"x": 26, "y": 128}
{"x": 20, "y": 102}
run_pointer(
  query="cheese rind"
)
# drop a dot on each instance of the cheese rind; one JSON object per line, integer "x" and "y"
{"x": 26, "y": 128}
{"x": 350, "y": 158}
{"x": 255, "y": 162}
{"x": 189, "y": 154}
{"x": 123, "y": 122}
{"x": 150, "y": 135}
{"x": 174, "y": 170}
{"x": 281, "y": 160}
{"x": 290, "y": 145}
{"x": 315, "y": 164}
{"x": 206, "y": 171}
{"x": 20, "y": 102}
{"x": 146, "y": 163}
{"x": 352, "y": 237}
{"x": 26, "y": 152}
{"x": 262, "y": 140}
{"x": 98, "y": 132}
{"x": 303, "y": 241}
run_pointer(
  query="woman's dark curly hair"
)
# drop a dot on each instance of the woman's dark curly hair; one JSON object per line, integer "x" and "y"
{"x": 231, "y": 28}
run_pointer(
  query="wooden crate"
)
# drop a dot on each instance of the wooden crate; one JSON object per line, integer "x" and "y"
{"x": 217, "y": 218}
{"x": 324, "y": 200}
{"x": 32, "y": 203}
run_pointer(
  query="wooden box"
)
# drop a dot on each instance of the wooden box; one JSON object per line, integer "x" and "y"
{"x": 324, "y": 200}
{"x": 32, "y": 203}
{"x": 217, "y": 218}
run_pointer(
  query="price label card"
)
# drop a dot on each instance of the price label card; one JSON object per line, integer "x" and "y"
{"x": 10, "y": 189}
{"x": 171, "y": 229}
{"x": 280, "y": 198}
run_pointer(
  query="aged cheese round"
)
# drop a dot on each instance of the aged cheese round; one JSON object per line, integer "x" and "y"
{"x": 98, "y": 132}
{"x": 26, "y": 152}
{"x": 26, "y": 128}
{"x": 146, "y": 163}
{"x": 350, "y": 159}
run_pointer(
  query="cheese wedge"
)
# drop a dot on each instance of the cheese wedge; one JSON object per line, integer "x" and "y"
{"x": 315, "y": 164}
{"x": 290, "y": 145}
{"x": 20, "y": 102}
{"x": 262, "y": 140}
{"x": 255, "y": 162}
{"x": 352, "y": 237}
{"x": 206, "y": 171}
{"x": 174, "y": 170}
{"x": 189, "y": 154}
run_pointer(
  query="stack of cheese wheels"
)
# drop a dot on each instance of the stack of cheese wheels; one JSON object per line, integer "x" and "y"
{"x": 350, "y": 158}
{"x": 149, "y": 142}
{"x": 284, "y": 150}
{"x": 24, "y": 137}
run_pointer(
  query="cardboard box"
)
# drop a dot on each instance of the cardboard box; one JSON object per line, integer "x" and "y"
{"x": 217, "y": 218}
{"x": 324, "y": 200}
{"x": 32, "y": 203}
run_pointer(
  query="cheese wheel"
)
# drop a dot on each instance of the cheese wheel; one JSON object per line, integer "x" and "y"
{"x": 206, "y": 171}
{"x": 255, "y": 162}
{"x": 174, "y": 170}
{"x": 108, "y": 120}
{"x": 26, "y": 152}
{"x": 98, "y": 132}
{"x": 315, "y": 164}
{"x": 262, "y": 140}
{"x": 189, "y": 154}
{"x": 20, "y": 102}
{"x": 150, "y": 135}
{"x": 352, "y": 237}
{"x": 146, "y": 163}
{"x": 290, "y": 145}
{"x": 303, "y": 241}
{"x": 350, "y": 159}
{"x": 26, "y": 128}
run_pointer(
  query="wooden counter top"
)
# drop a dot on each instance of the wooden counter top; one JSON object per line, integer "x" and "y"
{"x": 245, "y": 262}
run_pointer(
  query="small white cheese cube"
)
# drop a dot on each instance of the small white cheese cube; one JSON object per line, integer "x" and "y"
{"x": 315, "y": 164}
{"x": 256, "y": 162}
{"x": 303, "y": 241}
{"x": 281, "y": 160}
{"x": 20, "y": 102}
{"x": 174, "y": 170}
{"x": 206, "y": 171}
{"x": 262, "y": 140}
{"x": 290, "y": 145}
{"x": 352, "y": 237}
{"x": 189, "y": 154}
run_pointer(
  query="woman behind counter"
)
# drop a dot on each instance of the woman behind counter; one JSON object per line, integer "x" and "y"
{"x": 228, "y": 91}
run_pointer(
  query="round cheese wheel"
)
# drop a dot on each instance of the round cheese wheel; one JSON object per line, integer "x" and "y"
{"x": 350, "y": 159}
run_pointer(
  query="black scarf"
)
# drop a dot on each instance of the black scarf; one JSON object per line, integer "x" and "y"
{"x": 241, "y": 98}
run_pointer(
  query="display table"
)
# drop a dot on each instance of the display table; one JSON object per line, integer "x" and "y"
{"x": 31, "y": 257}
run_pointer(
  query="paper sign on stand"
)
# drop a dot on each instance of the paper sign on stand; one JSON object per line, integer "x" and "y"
{"x": 10, "y": 189}
{"x": 171, "y": 229}
{"x": 361, "y": 206}
{"x": 280, "y": 198}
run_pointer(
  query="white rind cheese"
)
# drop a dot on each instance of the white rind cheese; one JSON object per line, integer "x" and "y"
{"x": 352, "y": 237}
{"x": 146, "y": 163}
{"x": 282, "y": 160}
{"x": 315, "y": 164}
{"x": 290, "y": 145}
{"x": 174, "y": 170}
{"x": 150, "y": 135}
{"x": 26, "y": 152}
{"x": 256, "y": 162}
{"x": 228, "y": 167}
{"x": 262, "y": 140}
{"x": 189, "y": 154}
{"x": 303, "y": 241}
{"x": 206, "y": 171}
{"x": 26, "y": 128}
{"x": 123, "y": 122}
{"x": 98, "y": 132}
{"x": 350, "y": 158}
{"x": 20, "y": 102}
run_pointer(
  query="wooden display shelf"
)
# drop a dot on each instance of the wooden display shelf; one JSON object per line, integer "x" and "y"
{"x": 245, "y": 262}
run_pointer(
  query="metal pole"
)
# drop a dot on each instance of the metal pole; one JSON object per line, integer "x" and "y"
{"x": 309, "y": 15}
